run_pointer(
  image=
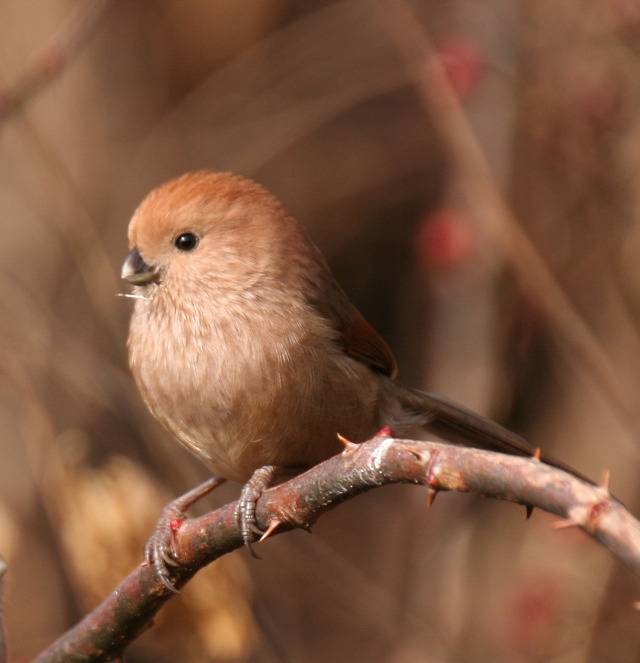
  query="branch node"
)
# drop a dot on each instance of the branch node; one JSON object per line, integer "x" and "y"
{"x": 595, "y": 512}
{"x": 431, "y": 471}
{"x": 385, "y": 431}
{"x": 377, "y": 458}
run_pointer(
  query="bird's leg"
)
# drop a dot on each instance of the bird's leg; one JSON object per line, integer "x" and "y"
{"x": 158, "y": 550}
{"x": 260, "y": 480}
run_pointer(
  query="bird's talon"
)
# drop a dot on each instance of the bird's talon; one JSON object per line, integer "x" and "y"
{"x": 158, "y": 550}
{"x": 246, "y": 507}
{"x": 168, "y": 558}
{"x": 166, "y": 581}
{"x": 158, "y": 554}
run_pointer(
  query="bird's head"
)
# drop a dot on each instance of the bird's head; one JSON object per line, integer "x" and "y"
{"x": 208, "y": 229}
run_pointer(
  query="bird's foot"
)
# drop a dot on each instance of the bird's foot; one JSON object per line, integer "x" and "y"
{"x": 159, "y": 548}
{"x": 260, "y": 480}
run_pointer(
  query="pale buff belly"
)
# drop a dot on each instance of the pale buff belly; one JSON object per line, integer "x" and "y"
{"x": 238, "y": 425}
{"x": 238, "y": 403}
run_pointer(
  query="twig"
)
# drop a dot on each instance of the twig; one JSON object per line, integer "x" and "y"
{"x": 54, "y": 56}
{"x": 105, "y": 632}
{"x": 85, "y": 242}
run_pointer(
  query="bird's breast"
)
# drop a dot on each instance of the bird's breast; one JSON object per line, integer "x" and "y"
{"x": 248, "y": 389}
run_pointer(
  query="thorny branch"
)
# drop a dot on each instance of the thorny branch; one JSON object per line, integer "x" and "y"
{"x": 54, "y": 56}
{"x": 104, "y": 633}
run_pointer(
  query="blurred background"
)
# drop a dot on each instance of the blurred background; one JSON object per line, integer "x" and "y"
{"x": 498, "y": 251}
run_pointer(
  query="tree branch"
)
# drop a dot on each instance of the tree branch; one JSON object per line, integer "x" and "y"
{"x": 104, "y": 633}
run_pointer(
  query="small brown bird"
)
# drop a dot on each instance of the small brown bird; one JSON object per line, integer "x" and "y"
{"x": 245, "y": 347}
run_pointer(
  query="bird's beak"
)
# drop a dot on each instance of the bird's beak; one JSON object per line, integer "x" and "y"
{"x": 136, "y": 271}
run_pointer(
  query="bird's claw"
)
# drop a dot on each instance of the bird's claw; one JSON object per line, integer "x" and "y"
{"x": 158, "y": 550}
{"x": 246, "y": 507}
{"x": 246, "y": 517}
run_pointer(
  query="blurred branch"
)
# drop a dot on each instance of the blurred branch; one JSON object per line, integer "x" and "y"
{"x": 54, "y": 56}
{"x": 3, "y": 644}
{"x": 104, "y": 633}
{"x": 84, "y": 240}
{"x": 500, "y": 224}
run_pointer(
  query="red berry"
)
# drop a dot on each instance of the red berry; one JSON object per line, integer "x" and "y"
{"x": 462, "y": 64}
{"x": 444, "y": 240}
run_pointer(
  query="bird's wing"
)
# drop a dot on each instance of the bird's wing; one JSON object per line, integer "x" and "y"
{"x": 356, "y": 336}
{"x": 362, "y": 342}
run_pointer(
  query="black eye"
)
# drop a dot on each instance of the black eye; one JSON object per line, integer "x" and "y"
{"x": 186, "y": 242}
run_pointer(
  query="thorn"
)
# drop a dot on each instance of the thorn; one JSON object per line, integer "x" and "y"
{"x": 347, "y": 444}
{"x": 536, "y": 454}
{"x": 385, "y": 431}
{"x": 604, "y": 482}
{"x": 431, "y": 496}
{"x": 564, "y": 523}
{"x": 529, "y": 510}
{"x": 636, "y": 605}
{"x": 273, "y": 526}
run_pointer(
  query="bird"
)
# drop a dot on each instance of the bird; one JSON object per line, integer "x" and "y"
{"x": 244, "y": 346}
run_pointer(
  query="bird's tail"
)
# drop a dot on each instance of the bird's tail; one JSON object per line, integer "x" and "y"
{"x": 457, "y": 424}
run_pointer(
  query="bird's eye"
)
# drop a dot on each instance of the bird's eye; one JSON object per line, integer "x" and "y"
{"x": 186, "y": 242}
